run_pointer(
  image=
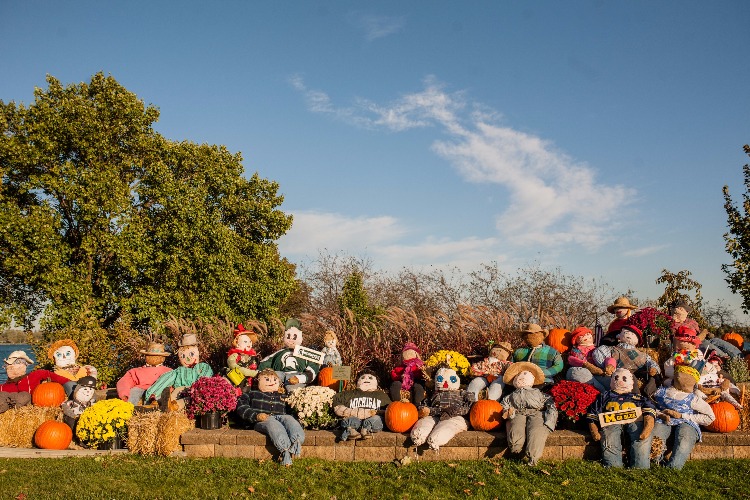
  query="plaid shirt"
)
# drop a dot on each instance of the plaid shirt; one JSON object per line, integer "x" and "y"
{"x": 447, "y": 404}
{"x": 544, "y": 356}
{"x": 254, "y": 402}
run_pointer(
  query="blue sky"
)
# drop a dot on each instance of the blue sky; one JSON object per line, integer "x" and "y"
{"x": 594, "y": 136}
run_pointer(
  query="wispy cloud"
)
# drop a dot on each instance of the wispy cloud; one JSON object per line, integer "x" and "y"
{"x": 375, "y": 26}
{"x": 642, "y": 252}
{"x": 554, "y": 199}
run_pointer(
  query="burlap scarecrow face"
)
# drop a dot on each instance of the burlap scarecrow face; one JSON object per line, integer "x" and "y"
{"x": 189, "y": 355}
{"x": 585, "y": 339}
{"x": 622, "y": 313}
{"x": 621, "y": 381}
{"x": 685, "y": 378}
{"x": 446, "y": 379}
{"x": 367, "y": 382}
{"x": 292, "y": 337}
{"x": 500, "y": 353}
{"x": 523, "y": 379}
{"x": 268, "y": 381}
{"x": 65, "y": 356}
{"x": 533, "y": 339}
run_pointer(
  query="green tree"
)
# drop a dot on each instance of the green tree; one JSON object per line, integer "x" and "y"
{"x": 354, "y": 297}
{"x": 677, "y": 287}
{"x": 738, "y": 241}
{"x": 100, "y": 214}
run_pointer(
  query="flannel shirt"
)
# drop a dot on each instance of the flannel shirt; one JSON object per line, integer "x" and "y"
{"x": 254, "y": 402}
{"x": 447, "y": 404}
{"x": 544, "y": 356}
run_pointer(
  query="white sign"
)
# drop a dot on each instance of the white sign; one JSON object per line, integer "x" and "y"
{"x": 308, "y": 354}
{"x": 620, "y": 417}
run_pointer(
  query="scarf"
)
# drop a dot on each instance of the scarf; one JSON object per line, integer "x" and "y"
{"x": 410, "y": 366}
{"x": 246, "y": 352}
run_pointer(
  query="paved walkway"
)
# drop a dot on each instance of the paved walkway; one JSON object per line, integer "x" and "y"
{"x": 37, "y": 453}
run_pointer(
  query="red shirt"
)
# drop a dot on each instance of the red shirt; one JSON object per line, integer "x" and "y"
{"x": 30, "y": 381}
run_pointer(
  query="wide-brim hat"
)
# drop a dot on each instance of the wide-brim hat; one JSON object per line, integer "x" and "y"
{"x": 155, "y": 349}
{"x": 531, "y": 328}
{"x": 187, "y": 340}
{"x": 620, "y": 303}
{"x": 516, "y": 368}
{"x": 579, "y": 332}
{"x": 505, "y": 346}
{"x": 15, "y": 355}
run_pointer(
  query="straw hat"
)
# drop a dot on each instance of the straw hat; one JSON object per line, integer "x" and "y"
{"x": 16, "y": 355}
{"x": 188, "y": 339}
{"x": 620, "y": 303}
{"x": 531, "y": 328}
{"x": 516, "y": 368}
{"x": 155, "y": 349}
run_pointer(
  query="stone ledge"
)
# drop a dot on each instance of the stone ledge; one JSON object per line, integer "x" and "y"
{"x": 387, "y": 446}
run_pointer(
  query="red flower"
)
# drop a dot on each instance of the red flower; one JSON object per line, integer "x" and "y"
{"x": 573, "y": 398}
{"x": 209, "y": 394}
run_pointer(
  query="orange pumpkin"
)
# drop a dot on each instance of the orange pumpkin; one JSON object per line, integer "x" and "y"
{"x": 48, "y": 394}
{"x": 400, "y": 416}
{"x": 53, "y": 435}
{"x": 727, "y": 418}
{"x": 735, "y": 339}
{"x": 485, "y": 415}
{"x": 325, "y": 379}
{"x": 560, "y": 339}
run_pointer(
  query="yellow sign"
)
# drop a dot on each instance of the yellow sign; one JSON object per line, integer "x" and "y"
{"x": 618, "y": 417}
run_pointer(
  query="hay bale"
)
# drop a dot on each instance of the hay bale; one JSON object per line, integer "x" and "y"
{"x": 172, "y": 425}
{"x": 142, "y": 430}
{"x": 17, "y": 426}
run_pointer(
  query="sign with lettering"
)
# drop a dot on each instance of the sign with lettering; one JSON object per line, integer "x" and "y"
{"x": 620, "y": 417}
{"x": 308, "y": 354}
{"x": 342, "y": 373}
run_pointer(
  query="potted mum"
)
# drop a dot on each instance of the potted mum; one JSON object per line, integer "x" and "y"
{"x": 572, "y": 399}
{"x": 312, "y": 405}
{"x": 104, "y": 424}
{"x": 210, "y": 399}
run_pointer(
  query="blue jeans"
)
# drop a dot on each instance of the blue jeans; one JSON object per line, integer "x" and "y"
{"x": 639, "y": 451}
{"x": 136, "y": 394}
{"x": 372, "y": 424}
{"x": 286, "y": 434}
{"x": 685, "y": 437}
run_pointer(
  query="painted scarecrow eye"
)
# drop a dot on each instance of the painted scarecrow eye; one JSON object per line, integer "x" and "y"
{"x": 454, "y": 379}
{"x": 439, "y": 378}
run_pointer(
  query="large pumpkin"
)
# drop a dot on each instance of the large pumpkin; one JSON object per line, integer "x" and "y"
{"x": 727, "y": 418}
{"x": 485, "y": 415}
{"x": 735, "y": 339}
{"x": 48, "y": 394}
{"x": 325, "y": 379}
{"x": 400, "y": 416}
{"x": 53, "y": 435}
{"x": 559, "y": 338}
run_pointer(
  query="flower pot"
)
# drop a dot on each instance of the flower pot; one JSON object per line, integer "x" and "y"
{"x": 113, "y": 444}
{"x": 210, "y": 421}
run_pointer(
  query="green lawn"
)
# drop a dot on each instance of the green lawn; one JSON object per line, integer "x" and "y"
{"x": 131, "y": 476}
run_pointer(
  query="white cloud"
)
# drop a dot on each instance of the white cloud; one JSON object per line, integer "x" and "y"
{"x": 642, "y": 252}
{"x": 375, "y": 26}
{"x": 554, "y": 199}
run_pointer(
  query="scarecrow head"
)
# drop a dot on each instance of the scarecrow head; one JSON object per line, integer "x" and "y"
{"x": 621, "y": 308}
{"x": 630, "y": 335}
{"x": 532, "y": 335}
{"x": 685, "y": 339}
{"x": 84, "y": 390}
{"x": 523, "y": 375}
{"x": 367, "y": 381}
{"x": 410, "y": 351}
{"x": 685, "y": 378}
{"x": 501, "y": 351}
{"x": 582, "y": 336}
{"x": 446, "y": 379}
{"x": 155, "y": 354}
{"x": 268, "y": 381}
{"x": 680, "y": 310}
{"x": 244, "y": 339}
{"x": 16, "y": 364}
{"x": 64, "y": 353}
{"x": 330, "y": 340}
{"x": 292, "y": 337}
{"x": 622, "y": 381}
{"x": 188, "y": 350}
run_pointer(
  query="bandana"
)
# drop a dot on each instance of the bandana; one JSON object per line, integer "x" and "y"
{"x": 689, "y": 370}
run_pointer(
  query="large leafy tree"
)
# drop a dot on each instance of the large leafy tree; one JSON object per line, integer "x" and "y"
{"x": 100, "y": 214}
{"x": 738, "y": 241}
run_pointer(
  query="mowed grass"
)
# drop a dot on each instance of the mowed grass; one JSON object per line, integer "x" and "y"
{"x": 131, "y": 476}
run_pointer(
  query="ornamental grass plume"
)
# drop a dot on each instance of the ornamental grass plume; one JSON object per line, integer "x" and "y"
{"x": 104, "y": 421}
{"x": 573, "y": 398}
{"x": 211, "y": 394}
{"x": 312, "y": 405}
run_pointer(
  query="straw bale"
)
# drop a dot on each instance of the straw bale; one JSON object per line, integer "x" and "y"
{"x": 17, "y": 426}
{"x": 142, "y": 431}
{"x": 171, "y": 426}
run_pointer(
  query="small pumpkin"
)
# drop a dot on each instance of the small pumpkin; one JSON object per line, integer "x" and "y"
{"x": 560, "y": 339}
{"x": 49, "y": 394}
{"x": 727, "y": 418}
{"x": 53, "y": 435}
{"x": 735, "y": 339}
{"x": 400, "y": 416}
{"x": 325, "y": 379}
{"x": 485, "y": 415}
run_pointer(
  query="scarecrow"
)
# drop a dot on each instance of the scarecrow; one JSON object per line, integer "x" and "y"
{"x": 361, "y": 410}
{"x": 679, "y": 312}
{"x": 168, "y": 388}
{"x": 408, "y": 378}
{"x": 529, "y": 413}
{"x": 242, "y": 360}
{"x": 136, "y": 381}
{"x": 582, "y": 368}
{"x": 717, "y": 384}
{"x": 16, "y": 391}
{"x": 81, "y": 398}
{"x": 685, "y": 350}
{"x": 332, "y": 355}
{"x": 622, "y": 309}
{"x": 294, "y": 372}
{"x": 64, "y": 353}
{"x": 535, "y": 351}
{"x": 489, "y": 371}
{"x": 626, "y": 355}
{"x": 621, "y": 397}
{"x": 680, "y": 413}
{"x": 445, "y": 414}
{"x": 265, "y": 410}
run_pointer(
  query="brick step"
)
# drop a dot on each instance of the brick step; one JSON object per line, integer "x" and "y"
{"x": 389, "y": 446}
